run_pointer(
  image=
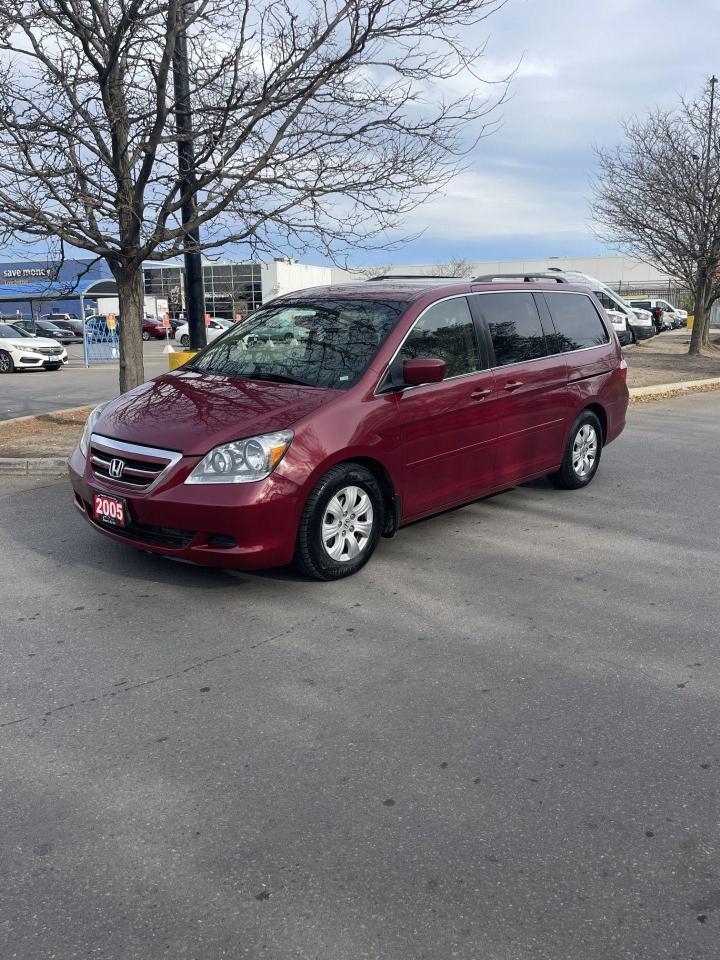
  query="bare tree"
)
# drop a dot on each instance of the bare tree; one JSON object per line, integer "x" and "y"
{"x": 371, "y": 273}
{"x": 658, "y": 197}
{"x": 456, "y": 267}
{"x": 314, "y": 126}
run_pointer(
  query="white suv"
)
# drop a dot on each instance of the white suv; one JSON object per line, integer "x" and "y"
{"x": 630, "y": 324}
{"x": 673, "y": 317}
{"x": 20, "y": 350}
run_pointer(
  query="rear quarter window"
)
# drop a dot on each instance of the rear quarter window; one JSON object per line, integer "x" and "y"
{"x": 576, "y": 321}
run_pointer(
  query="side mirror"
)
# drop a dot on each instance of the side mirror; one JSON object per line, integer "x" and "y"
{"x": 423, "y": 370}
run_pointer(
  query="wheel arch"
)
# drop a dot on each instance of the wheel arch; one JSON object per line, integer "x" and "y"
{"x": 392, "y": 502}
{"x": 601, "y": 414}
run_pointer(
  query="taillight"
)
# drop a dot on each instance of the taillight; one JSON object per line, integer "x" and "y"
{"x": 623, "y": 368}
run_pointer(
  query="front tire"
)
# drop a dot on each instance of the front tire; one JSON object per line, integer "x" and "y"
{"x": 582, "y": 454}
{"x": 6, "y": 362}
{"x": 341, "y": 523}
{"x": 185, "y": 341}
{"x": 146, "y": 335}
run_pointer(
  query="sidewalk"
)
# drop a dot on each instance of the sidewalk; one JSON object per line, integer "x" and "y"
{"x": 664, "y": 360}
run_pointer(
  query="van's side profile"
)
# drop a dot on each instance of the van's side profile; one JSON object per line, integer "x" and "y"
{"x": 336, "y": 415}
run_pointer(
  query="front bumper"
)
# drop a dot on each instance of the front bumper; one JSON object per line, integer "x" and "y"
{"x": 242, "y": 526}
{"x": 38, "y": 361}
{"x": 644, "y": 333}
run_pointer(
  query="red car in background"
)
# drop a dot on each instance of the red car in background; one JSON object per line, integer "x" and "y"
{"x": 154, "y": 330}
{"x": 389, "y": 401}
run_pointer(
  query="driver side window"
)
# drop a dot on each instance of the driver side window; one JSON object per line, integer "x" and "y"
{"x": 445, "y": 332}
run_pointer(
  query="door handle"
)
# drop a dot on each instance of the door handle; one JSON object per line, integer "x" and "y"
{"x": 480, "y": 393}
{"x": 513, "y": 385}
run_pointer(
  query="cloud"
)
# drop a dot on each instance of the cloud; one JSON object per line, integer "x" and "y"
{"x": 582, "y": 69}
{"x": 495, "y": 203}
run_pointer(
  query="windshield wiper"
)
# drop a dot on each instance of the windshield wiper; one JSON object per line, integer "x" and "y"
{"x": 279, "y": 378}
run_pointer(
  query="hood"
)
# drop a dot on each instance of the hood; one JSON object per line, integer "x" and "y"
{"x": 45, "y": 342}
{"x": 193, "y": 413}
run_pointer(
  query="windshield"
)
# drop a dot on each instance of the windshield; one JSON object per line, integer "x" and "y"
{"x": 321, "y": 343}
{"x": 7, "y": 331}
{"x": 16, "y": 331}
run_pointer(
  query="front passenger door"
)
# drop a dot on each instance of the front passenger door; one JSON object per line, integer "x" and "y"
{"x": 448, "y": 429}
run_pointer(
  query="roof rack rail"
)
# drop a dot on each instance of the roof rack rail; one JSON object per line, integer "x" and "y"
{"x": 411, "y": 276}
{"x": 525, "y": 277}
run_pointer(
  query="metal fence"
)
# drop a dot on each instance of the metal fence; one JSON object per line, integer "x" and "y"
{"x": 675, "y": 294}
{"x": 102, "y": 345}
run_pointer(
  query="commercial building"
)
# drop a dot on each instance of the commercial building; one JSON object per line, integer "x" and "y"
{"x": 85, "y": 286}
{"x": 617, "y": 272}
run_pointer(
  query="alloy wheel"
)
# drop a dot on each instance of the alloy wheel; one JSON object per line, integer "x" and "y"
{"x": 585, "y": 449}
{"x": 347, "y": 524}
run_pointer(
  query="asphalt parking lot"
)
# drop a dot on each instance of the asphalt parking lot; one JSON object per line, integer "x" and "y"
{"x": 33, "y": 392}
{"x": 497, "y": 742}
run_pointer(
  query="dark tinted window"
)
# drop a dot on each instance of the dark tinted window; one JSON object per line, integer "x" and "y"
{"x": 515, "y": 327}
{"x": 577, "y": 322}
{"x": 643, "y": 304}
{"x": 446, "y": 332}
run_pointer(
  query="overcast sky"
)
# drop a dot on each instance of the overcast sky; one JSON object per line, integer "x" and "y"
{"x": 585, "y": 65}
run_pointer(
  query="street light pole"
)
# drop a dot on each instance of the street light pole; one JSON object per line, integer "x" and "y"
{"x": 713, "y": 81}
{"x": 194, "y": 290}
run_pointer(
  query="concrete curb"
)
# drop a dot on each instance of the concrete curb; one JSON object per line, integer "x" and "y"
{"x": 660, "y": 391}
{"x": 48, "y": 413}
{"x": 33, "y": 466}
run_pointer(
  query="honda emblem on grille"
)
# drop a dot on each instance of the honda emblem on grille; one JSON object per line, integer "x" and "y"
{"x": 116, "y": 468}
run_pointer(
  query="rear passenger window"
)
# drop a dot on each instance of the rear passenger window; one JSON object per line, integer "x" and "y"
{"x": 445, "y": 331}
{"x": 514, "y": 325}
{"x": 577, "y": 322}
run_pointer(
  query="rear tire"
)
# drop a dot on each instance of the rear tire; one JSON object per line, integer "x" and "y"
{"x": 6, "y": 362}
{"x": 582, "y": 454}
{"x": 146, "y": 335}
{"x": 341, "y": 523}
{"x": 185, "y": 341}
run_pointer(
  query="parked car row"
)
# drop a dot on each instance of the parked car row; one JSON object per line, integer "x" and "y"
{"x": 21, "y": 350}
{"x": 664, "y": 314}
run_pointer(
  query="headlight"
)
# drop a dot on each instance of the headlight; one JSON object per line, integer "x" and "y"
{"x": 243, "y": 460}
{"x": 89, "y": 424}
{"x": 23, "y": 349}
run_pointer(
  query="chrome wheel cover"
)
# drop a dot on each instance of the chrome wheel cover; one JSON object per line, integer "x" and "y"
{"x": 347, "y": 524}
{"x": 585, "y": 450}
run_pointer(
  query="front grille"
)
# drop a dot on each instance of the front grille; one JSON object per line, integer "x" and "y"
{"x": 51, "y": 351}
{"x": 140, "y": 467}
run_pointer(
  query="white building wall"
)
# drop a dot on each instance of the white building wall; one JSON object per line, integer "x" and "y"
{"x": 285, "y": 276}
{"x": 611, "y": 270}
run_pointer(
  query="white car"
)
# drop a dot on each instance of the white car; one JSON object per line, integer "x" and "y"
{"x": 627, "y": 323}
{"x": 216, "y": 326}
{"x": 673, "y": 317}
{"x": 20, "y": 350}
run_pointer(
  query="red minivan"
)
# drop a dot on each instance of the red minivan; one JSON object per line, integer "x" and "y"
{"x": 334, "y": 416}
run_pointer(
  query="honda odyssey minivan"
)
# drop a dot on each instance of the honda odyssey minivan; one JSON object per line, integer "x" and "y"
{"x": 336, "y": 415}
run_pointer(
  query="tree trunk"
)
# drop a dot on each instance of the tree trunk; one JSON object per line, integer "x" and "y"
{"x": 700, "y": 322}
{"x": 708, "y": 310}
{"x": 131, "y": 294}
